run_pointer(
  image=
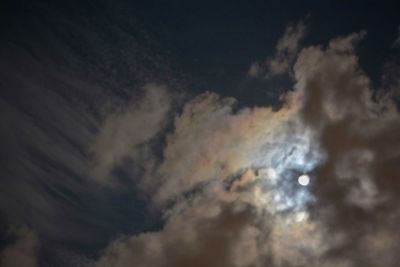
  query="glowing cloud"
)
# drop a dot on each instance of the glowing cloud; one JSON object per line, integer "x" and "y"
{"x": 229, "y": 180}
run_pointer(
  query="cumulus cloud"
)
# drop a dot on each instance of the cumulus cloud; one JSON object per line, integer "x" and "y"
{"x": 221, "y": 168}
{"x": 219, "y": 228}
{"x": 206, "y": 234}
{"x": 286, "y": 50}
{"x": 358, "y": 180}
{"x": 23, "y": 251}
{"x": 124, "y": 131}
{"x": 227, "y": 182}
{"x": 210, "y": 142}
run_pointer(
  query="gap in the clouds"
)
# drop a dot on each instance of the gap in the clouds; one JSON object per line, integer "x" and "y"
{"x": 260, "y": 92}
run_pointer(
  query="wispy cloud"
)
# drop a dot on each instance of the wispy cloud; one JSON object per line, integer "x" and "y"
{"x": 286, "y": 50}
{"x": 123, "y": 133}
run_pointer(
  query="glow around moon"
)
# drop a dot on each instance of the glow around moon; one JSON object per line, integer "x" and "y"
{"x": 304, "y": 180}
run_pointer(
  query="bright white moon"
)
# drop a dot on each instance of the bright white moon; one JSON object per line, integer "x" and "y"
{"x": 304, "y": 180}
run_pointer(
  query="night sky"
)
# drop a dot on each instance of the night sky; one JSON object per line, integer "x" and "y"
{"x": 200, "y": 133}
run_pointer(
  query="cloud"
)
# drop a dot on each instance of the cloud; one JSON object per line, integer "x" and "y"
{"x": 220, "y": 169}
{"x": 124, "y": 131}
{"x": 227, "y": 181}
{"x": 391, "y": 73}
{"x": 358, "y": 181}
{"x": 206, "y": 234}
{"x": 23, "y": 251}
{"x": 286, "y": 50}
{"x": 52, "y": 117}
{"x": 54, "y": 89}
{"x": 218, "y": 229}
{"x": 211, "y": 142}
{"x": 44, "y": 160}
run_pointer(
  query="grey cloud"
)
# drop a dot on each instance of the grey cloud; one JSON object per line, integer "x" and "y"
{"x": 286, "y": 50}
{"x": 347, "y": 43}
{"x": 122, "y": 132}
{"x": 391, "y": 73}
{"x": 228, "y": 177}
{"x": 50, "y": 118}
{"x": 210, "y": 142}
{"x": 359, "y": 180}
{"x": 23, "y": 251}
{"x": 43, "y": 144}
{"x": 209, "y": 145}
{"x": 206, "y": 234}
{"x": 58, "y": 75}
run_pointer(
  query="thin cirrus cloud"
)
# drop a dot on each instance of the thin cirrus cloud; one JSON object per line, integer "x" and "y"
{"x": 53, "y": 93}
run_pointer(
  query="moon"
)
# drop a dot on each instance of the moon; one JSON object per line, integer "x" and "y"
{"x": 304, "y": 180}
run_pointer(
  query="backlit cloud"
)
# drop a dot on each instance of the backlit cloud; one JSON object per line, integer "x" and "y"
{"x": 227, "y": 181}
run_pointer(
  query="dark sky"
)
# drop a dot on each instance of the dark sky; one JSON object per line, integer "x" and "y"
{"x": 210, "y": 44}
{"x": 76, "y": 74}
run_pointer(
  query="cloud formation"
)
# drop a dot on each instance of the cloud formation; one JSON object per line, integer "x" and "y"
{"x": 358, "y": 183}
{"x": 57, "y": 81}
{"x": 124, "y": 131}
{"x": 23, "y": 251}
{"x": 286, "y": 50}
{"x": 227, "y": 181}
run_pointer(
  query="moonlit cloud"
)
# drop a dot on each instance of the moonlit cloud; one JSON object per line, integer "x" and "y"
{"x": 286, "y": 51}
{"x": 357, "y": 134}
{"x": 228, "y": 178}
